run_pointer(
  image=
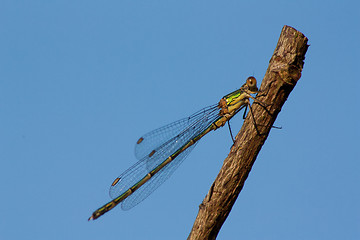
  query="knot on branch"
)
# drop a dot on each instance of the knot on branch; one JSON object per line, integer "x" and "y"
{"x": 290, "y": 74}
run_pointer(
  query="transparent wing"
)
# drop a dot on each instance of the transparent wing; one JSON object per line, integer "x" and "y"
{"x": 158, "y": 137}
{"x": 198, "y": 123}
{"x": 150, "y": 186}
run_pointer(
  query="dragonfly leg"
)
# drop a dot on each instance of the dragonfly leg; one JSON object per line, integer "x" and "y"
{"x": 264, "y": 105}
{"x": 244, "y": 115}
{"x": 254, "y": 122}
{"x": 232, "y": 137}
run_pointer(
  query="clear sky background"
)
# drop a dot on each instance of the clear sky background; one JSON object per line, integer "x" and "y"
{"x": 81, "y": 81}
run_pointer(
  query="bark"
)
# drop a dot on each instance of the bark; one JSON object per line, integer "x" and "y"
{"x": 284, "y": 71}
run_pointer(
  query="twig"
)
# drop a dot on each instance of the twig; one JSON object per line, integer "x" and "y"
{"x": 281, "y": 77}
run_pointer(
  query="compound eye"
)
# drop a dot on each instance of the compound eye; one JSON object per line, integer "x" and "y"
{"x": 251, "y": 82}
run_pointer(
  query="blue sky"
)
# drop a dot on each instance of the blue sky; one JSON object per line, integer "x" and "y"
{"x": 80, "y": 81}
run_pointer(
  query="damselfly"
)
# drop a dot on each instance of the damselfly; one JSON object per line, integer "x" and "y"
{"x": 161, "y": 151}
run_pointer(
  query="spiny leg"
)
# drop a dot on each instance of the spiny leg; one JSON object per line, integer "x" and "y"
{"x": 232, "y": 137}
{"x": 262, "y": 104}
{"x": 244, "y": 115}
{"x": 253, "y": 120}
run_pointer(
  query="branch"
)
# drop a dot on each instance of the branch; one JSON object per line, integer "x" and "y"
{"x": 281, "y": 77}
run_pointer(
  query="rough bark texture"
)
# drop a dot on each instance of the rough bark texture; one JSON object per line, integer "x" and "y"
{"x": 281, "y": 77}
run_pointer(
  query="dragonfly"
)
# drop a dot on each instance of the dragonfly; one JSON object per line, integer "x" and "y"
{"x": 162, "y": 150}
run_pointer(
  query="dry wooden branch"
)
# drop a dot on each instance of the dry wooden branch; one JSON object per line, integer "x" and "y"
{"x": 281, "y": 77}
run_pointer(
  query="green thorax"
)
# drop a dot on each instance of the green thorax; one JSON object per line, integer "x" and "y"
{"x": 233, "y": 97}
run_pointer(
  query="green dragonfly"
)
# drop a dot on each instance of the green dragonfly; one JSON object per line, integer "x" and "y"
{"x": 162, "y": 150}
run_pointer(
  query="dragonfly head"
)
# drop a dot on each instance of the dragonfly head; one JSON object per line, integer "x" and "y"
{"x": 250, "y": 85}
